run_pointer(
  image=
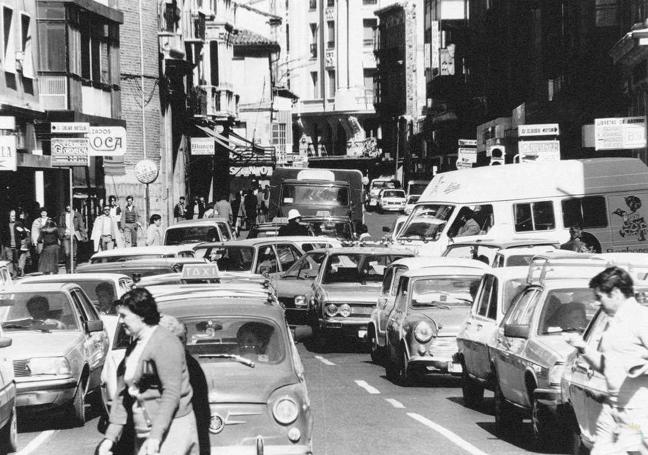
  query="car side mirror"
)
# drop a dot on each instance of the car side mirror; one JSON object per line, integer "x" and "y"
{"x": 386, "y": 229}
{"x": 516, "y": 331}
{"x": 302, "y": 333}
{"x": 5, "y": 342}
{"x": 94, "y": 326}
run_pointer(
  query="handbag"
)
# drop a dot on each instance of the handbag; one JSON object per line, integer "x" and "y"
{"x": 144, "y": 409}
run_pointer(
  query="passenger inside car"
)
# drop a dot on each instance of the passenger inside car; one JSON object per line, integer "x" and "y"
{"x": 105, "y": 298}
{"x": 568, "y": 317}
{"x": 39, "y": 310}
{"x": 253, "y": 338}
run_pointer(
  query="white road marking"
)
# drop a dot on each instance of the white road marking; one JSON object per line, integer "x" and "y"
{"x": 395, "y": 403}
{"x": 323, "y": 360}
{"x": 36, "y": 442}
{"x": 372, "y": 390}
{"x": 447, "y": 433}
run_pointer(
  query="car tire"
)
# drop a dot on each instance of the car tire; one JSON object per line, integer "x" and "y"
{"x": 473, "y": 391}
{"x": 544, "y": 425}
{"x": 374, "y": 350}
{"x": 404, "y": 377}
{"x": 9, "y": 434}
{"x": 391, "y": 369}
{"x": 76, "y": 411}
{"x": 507, "y": 418}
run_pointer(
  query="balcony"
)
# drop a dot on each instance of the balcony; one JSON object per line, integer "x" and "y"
{"x": 171, "y": 45}
{"x": 213, "y": 102}
{"x": 193, "y": 26}
{"x": 313, "y": 50}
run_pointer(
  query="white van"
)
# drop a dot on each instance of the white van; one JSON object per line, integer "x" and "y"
{"x": 538, "y": 200}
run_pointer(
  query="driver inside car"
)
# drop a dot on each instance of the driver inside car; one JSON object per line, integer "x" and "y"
{"x": 39, "y": 310}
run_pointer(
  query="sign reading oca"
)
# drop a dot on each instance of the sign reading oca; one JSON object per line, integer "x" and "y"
{"x": 107, "y": 140}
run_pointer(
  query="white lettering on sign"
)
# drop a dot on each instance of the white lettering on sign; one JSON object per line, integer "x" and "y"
{"x": 467, "y": 155}
{"x": 467, "y": 142}
{"x": 107, "y": 141}
{"x": 69, "y": 127}
{"x": 69, "y": 152}
{"x": 539, "y": 150}
{"x": 619, "y": 133}
{"x": 8, "y": 157}
{"x": 544, "y": 129}
{"x": 246, "y": 171}
{"x": 200, "y": 271}
{"x": 203, "y": 146}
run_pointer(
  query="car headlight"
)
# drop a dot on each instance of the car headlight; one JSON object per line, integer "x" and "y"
{"x": 344, "y": 310}
{"x": 556, "y": 373}
{"x": 423, "y": 332}
{"x": 300, "y": 301}
{"x": 331, "y": 309}
{"x": 58, "y": 366}
{"x": 285, "y": 411}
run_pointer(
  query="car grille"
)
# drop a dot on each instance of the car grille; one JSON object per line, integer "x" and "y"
{"x": 21, "y": 368}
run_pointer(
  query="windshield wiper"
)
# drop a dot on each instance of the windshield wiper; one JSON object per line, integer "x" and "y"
{"x": 24, "y": 327}
{"x": 236, "y": 357}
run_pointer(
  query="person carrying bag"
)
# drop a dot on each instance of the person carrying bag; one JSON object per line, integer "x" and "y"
{"x": 153, "y": 389}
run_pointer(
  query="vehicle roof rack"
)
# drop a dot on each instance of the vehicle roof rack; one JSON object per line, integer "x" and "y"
{"x": 552, "y": 265}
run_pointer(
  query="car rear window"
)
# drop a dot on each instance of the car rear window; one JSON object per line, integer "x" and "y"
{"x": 191, "y": 234}
{"x": 229, "y": 258}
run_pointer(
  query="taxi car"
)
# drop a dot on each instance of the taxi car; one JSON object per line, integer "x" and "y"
{"x": 485, "y": 250}
{"x": 498, "y": 288}
{"x": 138, "y": 268}
{"x": 257, "y": 389}
{"x": 141, "y": 252}
{"x": 294, "y": 286}
{"x": 387, "y": 294}
{"x": 422, "y": 327}
{"x": 391, "y": 200}
{"x": 344, "y": 291}
{"x": 530, "y": 351}
{"x": 258, "y": 256}
{"x": 583, "y": 389}
{"x": 59, "y": 346}
{"x": 198, "y": 231}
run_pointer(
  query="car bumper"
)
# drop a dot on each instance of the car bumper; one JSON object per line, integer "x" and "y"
{"x": 49, "y": 393}
{"x": 346, "y": 327}
{"x": 550, "y": 398}
{"x": 436, "y": 364}
{"x": 263, "y": 450}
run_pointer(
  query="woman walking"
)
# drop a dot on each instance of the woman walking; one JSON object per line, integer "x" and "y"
{"x": 48, "y": 259}
{"x": 153, "y": 389}
{"x": 154, "y": 231}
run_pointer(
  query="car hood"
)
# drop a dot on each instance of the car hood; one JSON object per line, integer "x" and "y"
{"x": 351, "y": 292}
{"x": 449, "y": 321}
{"x": 28, "y": 344}
{"x": 237, "y": 383}
{"x": 554, "y": 345}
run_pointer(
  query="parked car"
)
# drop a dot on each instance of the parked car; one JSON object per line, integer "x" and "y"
{"x": 142, "y": 252}
{"x": 344, "y": 291}
{"x": 198, "y": 231}
{"x": 485, "y": 250}
{"x": 378, "y": 320}
{"x": 59, "y": 346}
{"x": 138, "y": 268}
{"x": 496, "y": 291}
{"x": 430, "y": 306}
{"x": 391, "y": 200}
{"x": 257, "y": 388}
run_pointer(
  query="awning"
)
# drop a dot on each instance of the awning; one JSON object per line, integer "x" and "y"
{"x": 219, "y": 138}
{"x": 256, "y": 148}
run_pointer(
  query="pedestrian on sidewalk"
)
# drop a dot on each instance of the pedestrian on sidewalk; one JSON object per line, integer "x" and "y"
{"x": 224, "y": 209}
{"x": 71, "y": 231}
{"x": 180, "y": 211}
{"x": 15, "y": 249}
{"x": 153, "y": 388}
{"x": 210, "y": 212}
{"x": 49, "y": 257}
{"x": 105, "y": 231}
{"x": 154, "y": 231}
{"x": 250, "y": 208}
{"x": 35, "y": 234}
{"x": 130, "y": 223}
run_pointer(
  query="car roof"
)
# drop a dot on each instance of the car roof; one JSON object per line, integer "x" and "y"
{"x": 42, "y": 287}
{"x": 205, "y": 305}
{"x": 265, "y": 240}
{"x": 137, "y": 250}
{"x": 630, "y": 259}
{"x": 193, "y": 291}
{"x": 511, "y": 251}
{"x": 504, "y": 244}
{"x": 199, "y": 222}
{"x": 72, "y": 277}
{"x": 224, "y": 277}
{"x": 509, "y": 273}
{"x": 369, "y": 250}
{"x": 446, "y": 270}
{"x": 439, "y": 261}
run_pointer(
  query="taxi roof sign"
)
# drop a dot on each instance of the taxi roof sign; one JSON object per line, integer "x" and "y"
{"x": 200, "y": 272}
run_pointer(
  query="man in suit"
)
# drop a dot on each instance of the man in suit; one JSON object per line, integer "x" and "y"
{"x": 71, "y": 230}
{"x": 105, "y": 232}
{"x": 15, "y": 244}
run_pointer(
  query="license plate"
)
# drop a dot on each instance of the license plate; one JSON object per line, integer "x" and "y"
{"x": 362, "y": 334}
{"x": 454, "y": 367}
{"x": 373, "y": 202}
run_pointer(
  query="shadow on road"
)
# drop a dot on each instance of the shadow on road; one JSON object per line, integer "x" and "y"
{"x": 521, "y": 439}
{"x": 486, "y": 406}
{"x": 31, "y": 421}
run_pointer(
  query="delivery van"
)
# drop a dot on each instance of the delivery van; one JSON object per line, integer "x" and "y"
{"x": 537, "y": 199}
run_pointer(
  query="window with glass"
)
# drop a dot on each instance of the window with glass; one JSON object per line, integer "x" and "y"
{"x": 368, "y": 27}
{"x": 443, "y": 291}
{"x": 534, "y": 216}
{"x": 228, "y": 258}
{"x": 426, "y": 222}
{"x": 191, "y": 234}
{"x": 288, "y": 255}
{"x": 315, "y": 195}
{"x": 587, "y": 212}
{"x": 483, "y": 298}
{"x": 356, "y": 268}
{"x": 307, "y": 267}
{"x": 567, "y": 310}
{"x": 330, "y": 34}
{"x": 42, "y": 312}
{"x": 267, "y": 261}
{"x": 522, "y": 311}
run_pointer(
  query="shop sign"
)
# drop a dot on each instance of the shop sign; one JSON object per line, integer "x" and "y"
{"x": 539, "y": 150}
{"x": 467, "y": 142}
{"x": 70, "y": 127}
{"x": 68, "y": 152}
{"x": 542, "y": 129}
{"x": 203, "y": 146}
{"x": 107, "y": 141}
{"x": 7, "y": 122}
{"x": 619, "y": 133}
{"x": 146, "y": 171}
{"x": 247, "y": 171}
{"x": 467, "y": 154}
{"x": 8, "y": 158}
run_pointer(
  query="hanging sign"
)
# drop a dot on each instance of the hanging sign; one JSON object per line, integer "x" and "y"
{"x": 8, "y": 157}
{"x": 203, "y": 146}
{"x": 69, "y": 127}
{"x": 619, "y": 133}
{"x": 68, "y": 152}
{"x": 107, "y": 141}
{"x": 146, "y": 171}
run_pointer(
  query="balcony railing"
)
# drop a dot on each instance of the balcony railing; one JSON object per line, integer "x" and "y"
{"x": 313, "y": 50}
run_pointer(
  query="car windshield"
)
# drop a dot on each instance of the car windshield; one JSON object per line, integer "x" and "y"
{"x": 95, "y": 289}
{"x": 356, "y": 268}
{"x": 218, "y": 339}
{"x": 427, "y": 222}
{"x": 450, "y": 291}
{"x": 519, "y": 260}
{"x": 315, "y": 195}
{"x": 394, "y": 193}
{"x": 567, "y": 310}
{"x": 229, "y": 258}
{"x": 337, "y": 229}
{"x": 191, "y": 234}
{"x": 45, "y": 312}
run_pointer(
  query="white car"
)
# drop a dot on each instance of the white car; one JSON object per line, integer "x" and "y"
{"x": 142, "y": 252}
{"x": 391, "y": 200}
{"x": 197, "y": 231}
